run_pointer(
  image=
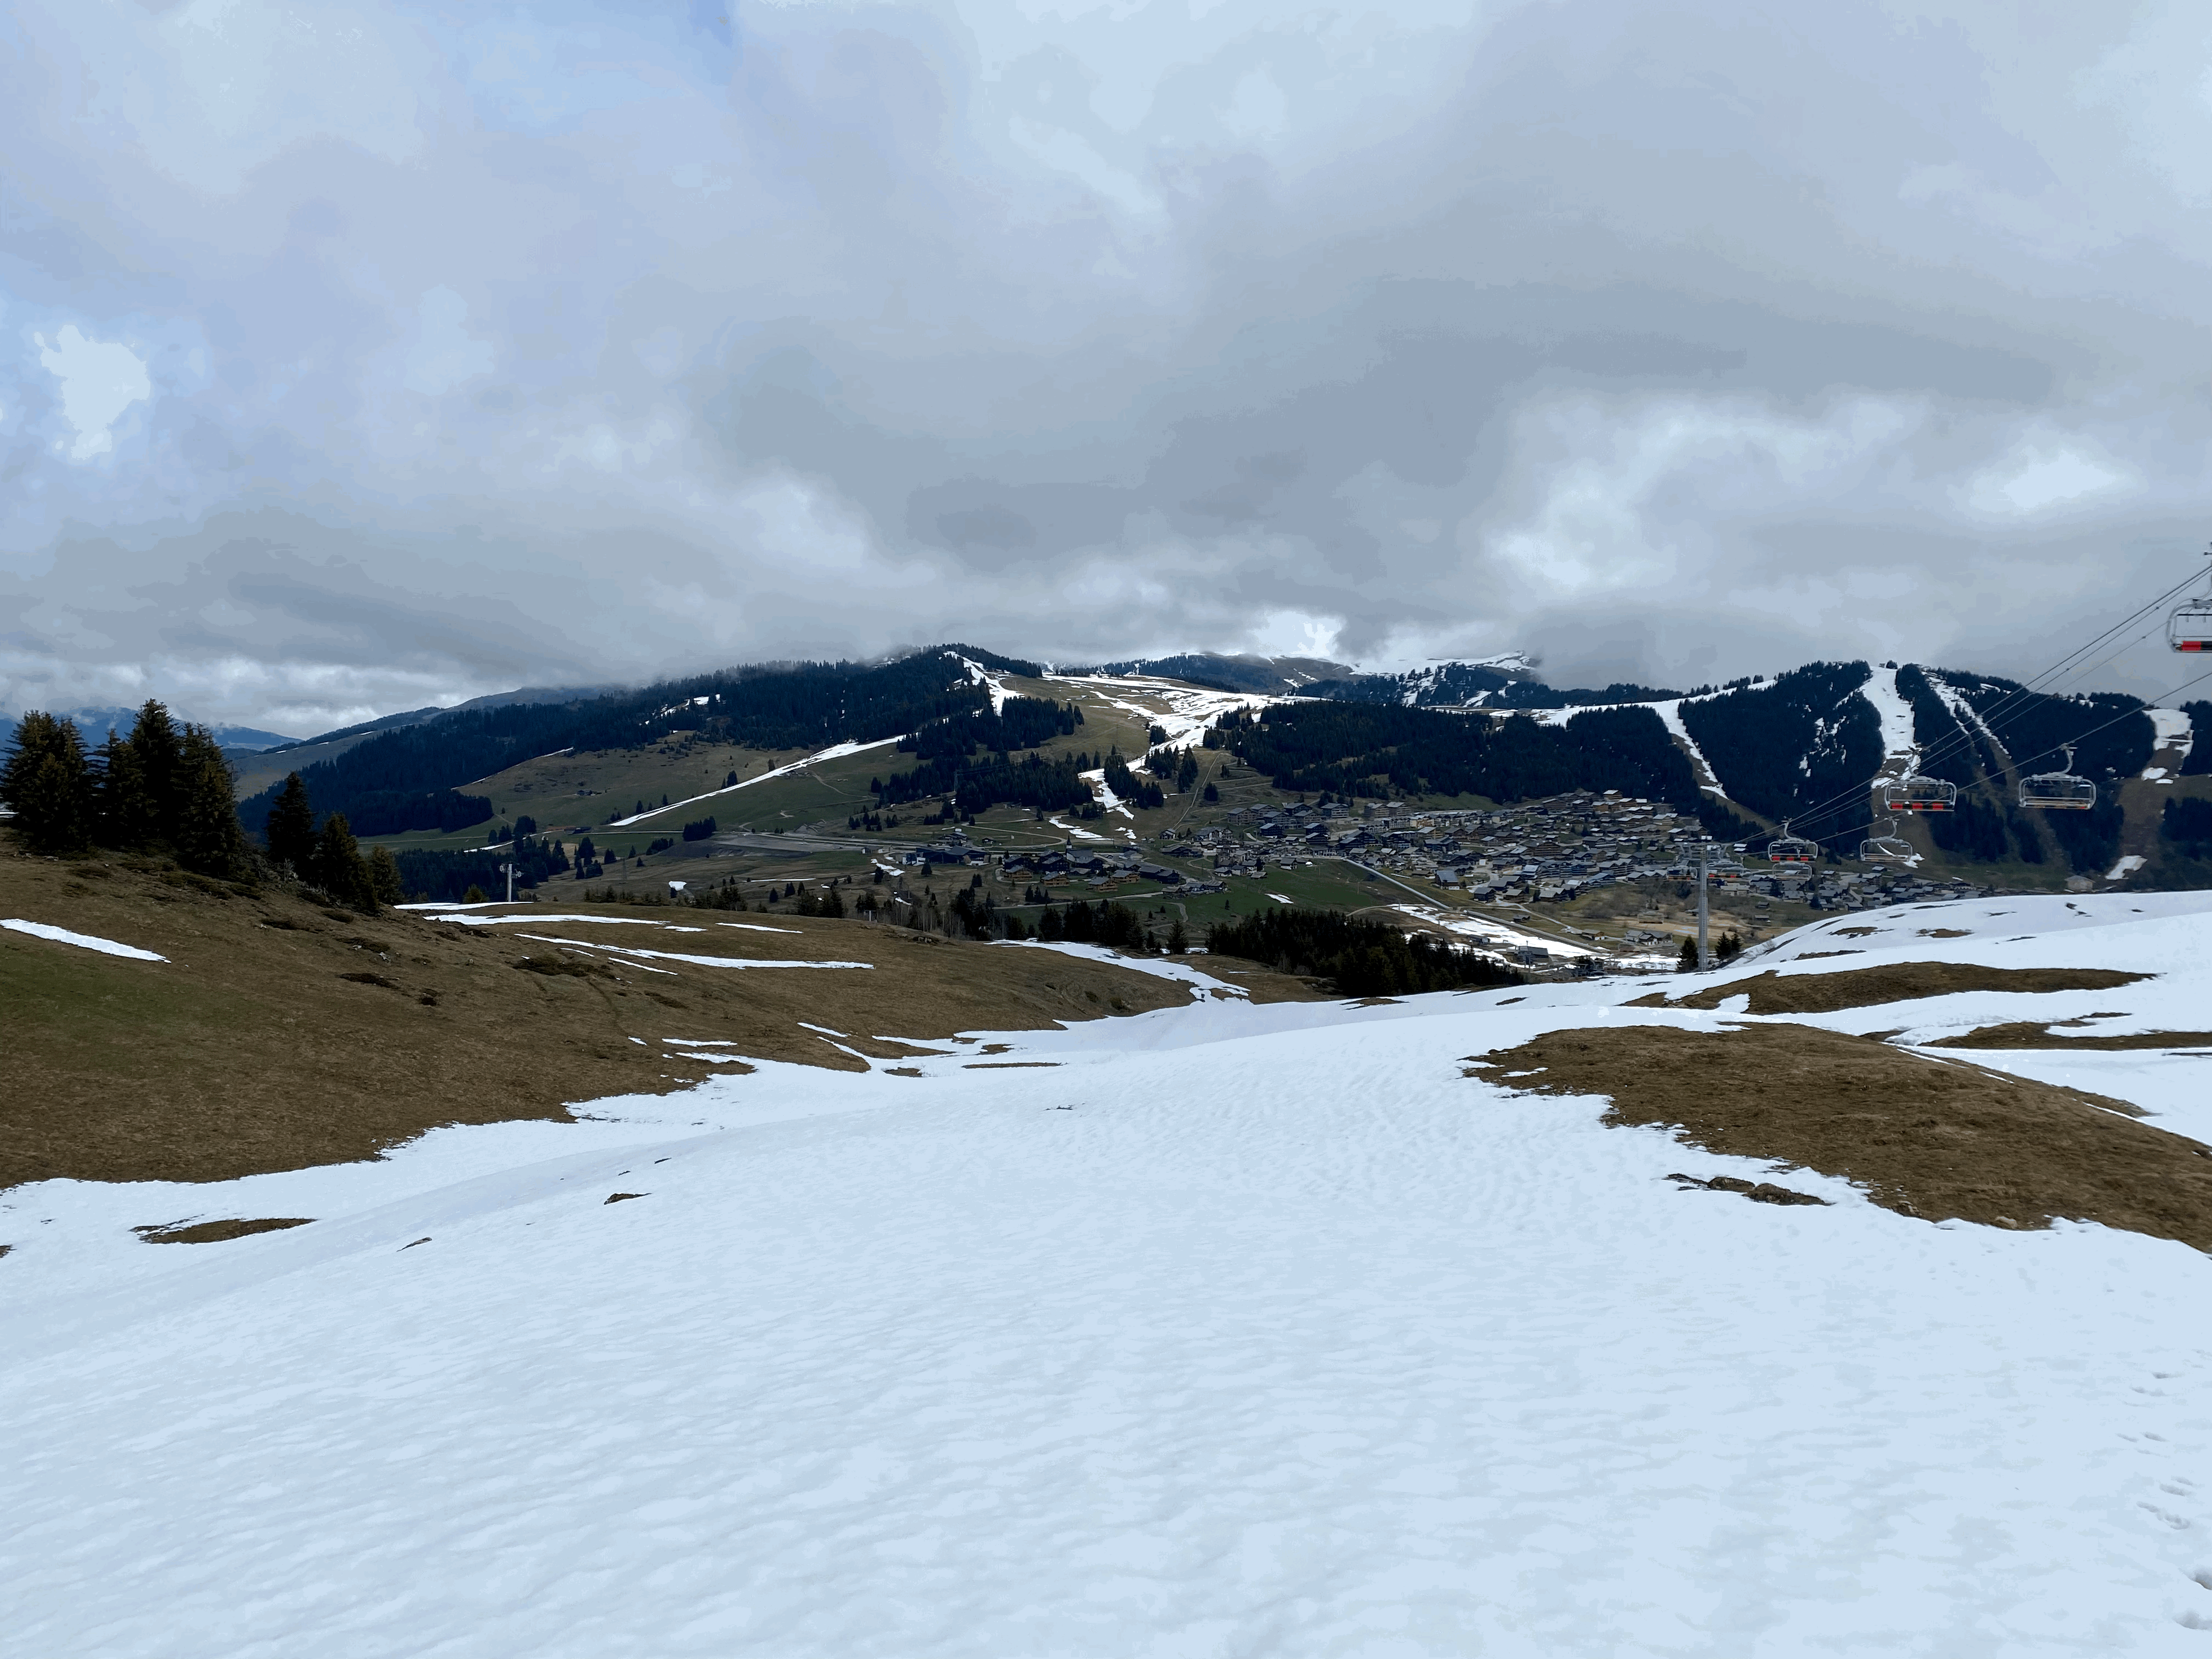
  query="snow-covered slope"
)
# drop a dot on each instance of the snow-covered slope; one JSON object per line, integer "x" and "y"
{"x": 1229, "y": 1329}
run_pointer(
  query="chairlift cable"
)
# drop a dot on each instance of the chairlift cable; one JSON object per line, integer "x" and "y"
{"x": 2031, "y": 690}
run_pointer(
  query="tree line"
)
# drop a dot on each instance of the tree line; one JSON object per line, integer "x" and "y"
{"x": 166, "y": 789}
{"x": 1363, "y": 958}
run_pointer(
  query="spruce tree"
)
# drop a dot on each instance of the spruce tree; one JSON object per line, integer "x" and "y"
{"x": 123, "y": 816}
{"x": 339, "y": 868}
{"x": 47, "y": 785}
{"x": 291, "y": 831}
{"x": 384, "y": 877}
{"x": 204, "y": 826}
{"x": 160, "y": 754}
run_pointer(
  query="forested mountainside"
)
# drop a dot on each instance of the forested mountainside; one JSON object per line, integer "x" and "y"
{"x": 1507, "y": 684}
{"x": 806, "y": 706}
{"x": 1265, "y": 675}
{"x": 1802, "y": 746}
{"x": 1807, "y": 746}
{"x": 1358, "y": 749}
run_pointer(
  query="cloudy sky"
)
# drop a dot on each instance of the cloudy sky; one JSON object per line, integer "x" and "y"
{"x": 355, "y": 356}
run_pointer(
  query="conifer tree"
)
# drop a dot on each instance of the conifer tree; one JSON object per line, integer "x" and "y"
{"x": 123, "y": 816}
{"x": 1178, "y": 939}
{"x": 160, "y": 754}
{"x": 291, "y": 831}
{"x": 203, "y": 826}
{"x": 47, "y": 785}
{"x": 340, "y": 870}
{"x": 384, "y": 877}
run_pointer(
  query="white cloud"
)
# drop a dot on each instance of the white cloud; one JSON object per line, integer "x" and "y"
{"x": 444, "y": 355}
{"x": 99, "y": 379}
{"x": 2043, "y": 475}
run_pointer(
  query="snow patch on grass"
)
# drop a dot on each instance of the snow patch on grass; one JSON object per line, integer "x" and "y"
{"x": 106, "y": 947}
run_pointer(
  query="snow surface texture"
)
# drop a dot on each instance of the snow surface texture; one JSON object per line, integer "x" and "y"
{"x": 1484, "y": 926}
{"x": 1899, "y": 753}
{"x": 1233, "y": 1329}
{"x": 106, "y": 947}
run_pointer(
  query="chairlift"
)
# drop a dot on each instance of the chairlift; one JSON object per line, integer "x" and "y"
{"x": 1786, "y": 849}
{"x": 2059, "y": 791}
{"x": 1888, "y": 847}
{"x": 2190, "y": 627}
{"x": 1916, "y": 794}
{"x": 1726, "y": 872}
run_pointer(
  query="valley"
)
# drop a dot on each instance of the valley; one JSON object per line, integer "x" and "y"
{"x": 1277, "y": 812}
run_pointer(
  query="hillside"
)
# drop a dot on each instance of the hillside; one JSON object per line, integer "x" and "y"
{"x": 271, "y": 1031}
{"x": 1844, "y": 1302}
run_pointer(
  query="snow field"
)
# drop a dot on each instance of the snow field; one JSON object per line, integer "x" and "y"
{"x": 1246, "y": 1330}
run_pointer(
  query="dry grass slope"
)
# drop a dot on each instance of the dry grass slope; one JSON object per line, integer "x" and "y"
{"x": 1923, "y": 1137}
{"x": 279, "y": 1035}
{"x": 1771, "y": 993}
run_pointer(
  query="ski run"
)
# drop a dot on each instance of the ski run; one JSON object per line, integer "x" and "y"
{"x": 1230, "y": 1329}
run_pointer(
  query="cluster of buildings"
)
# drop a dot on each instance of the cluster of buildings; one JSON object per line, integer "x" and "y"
{"x": 1547, "y": 849}
{"x": 1534, "y": 851}
{"x": 1100, "y": 868}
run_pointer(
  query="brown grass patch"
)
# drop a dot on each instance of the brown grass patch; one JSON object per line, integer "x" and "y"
{"x": 247, "y": 1052}
{"x": 1773, "y": 992}
{"x": 2029, "y": 1034}
{"x": 1923, "y": 1137}
{"x": 214, "y": 1232}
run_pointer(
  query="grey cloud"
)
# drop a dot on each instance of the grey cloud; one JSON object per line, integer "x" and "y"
{"x": 1665, "y": 344}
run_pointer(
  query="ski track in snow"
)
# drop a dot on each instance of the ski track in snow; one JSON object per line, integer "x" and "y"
{"x": 1670, "y": 715}
{"x": 106, "y": 947}
{"x": 1895, "y": 714}
{"x": 835, "y": 752}
{"x": 1245, "y": 1329}
{"x": 2172, "y": 738}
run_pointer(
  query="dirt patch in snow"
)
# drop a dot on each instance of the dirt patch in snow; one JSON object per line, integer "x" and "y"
{"x": 2029, "y": 1034}
{"x": 1771, "y": 993}
{"x": 214, "y": 1232}
{"x": 1924, "y": 1137}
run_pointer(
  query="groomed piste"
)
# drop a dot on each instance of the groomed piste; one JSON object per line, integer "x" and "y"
{"x": 1226, "y": 1328}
